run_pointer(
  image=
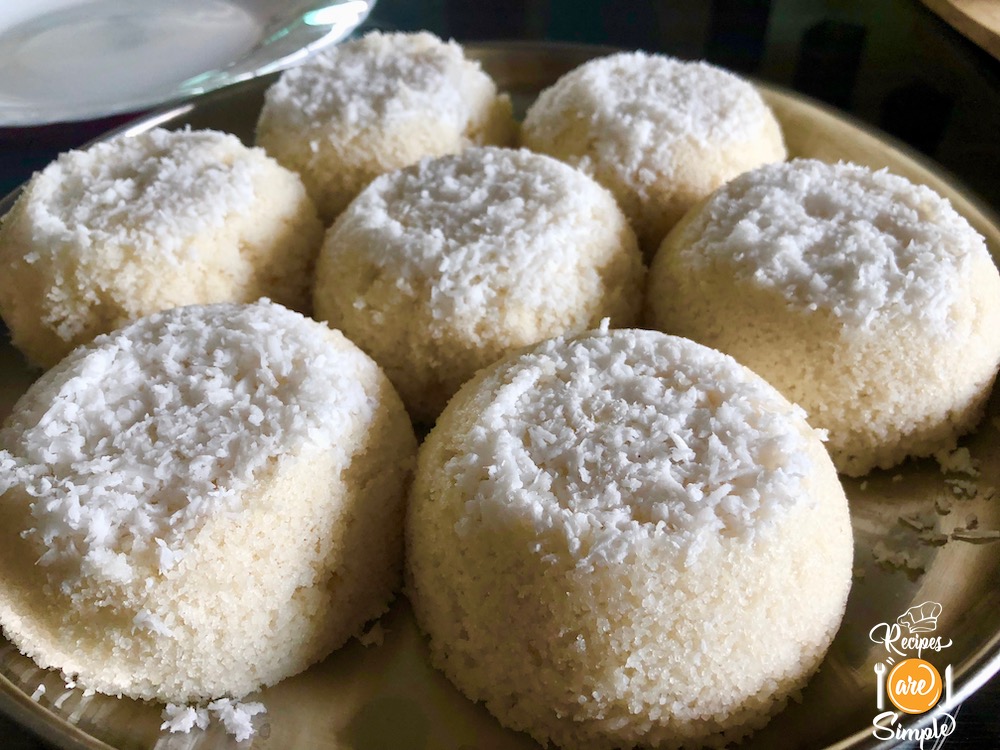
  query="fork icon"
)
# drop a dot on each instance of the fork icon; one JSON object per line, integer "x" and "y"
{"x": 880, "y": 685}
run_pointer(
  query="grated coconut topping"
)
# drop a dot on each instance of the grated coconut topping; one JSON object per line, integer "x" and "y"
{"x": 479, "y": 222}
{"x": 840, "y": 237}
{"x": 380, "y": 80}
{"x": 130, "y": 444}
{"x": 643, "y": 106}
{"x": 630, "y": 434}
{"x": 150, "y": 191}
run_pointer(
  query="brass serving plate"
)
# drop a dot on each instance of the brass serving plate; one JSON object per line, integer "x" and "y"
{"x": 388, "y": 696}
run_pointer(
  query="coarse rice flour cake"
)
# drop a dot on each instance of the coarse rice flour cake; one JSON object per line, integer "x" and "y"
{"x": 201, "y": 503}
{"x": 371, "y": 105}
{"x": 145, "y": 222}
{"x": 625, "y": 538}
{"x": 658, "y": 132}
{"x": 864, "y": 298}
{"x": 442, "y": 268}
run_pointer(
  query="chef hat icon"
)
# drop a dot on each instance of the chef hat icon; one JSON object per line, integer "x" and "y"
{"x": 921, "y": 618}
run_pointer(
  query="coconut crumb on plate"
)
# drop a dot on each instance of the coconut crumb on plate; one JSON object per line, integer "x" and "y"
{"x": 236, "y": 717}
{"x": 976, "y": 535}
{"x": 958, "y": 461}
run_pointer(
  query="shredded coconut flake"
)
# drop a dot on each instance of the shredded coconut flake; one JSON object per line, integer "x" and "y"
{"x": 130, "y": 444}
{"x": 145, "y": 620}
{"x": 183, "y": 718}
{"x": 63, "y": 697}
{"x": 917, "y": 521}
{"x": 380, "y": 80}
{"x": 632, "y": 433}
{"x": 236, "y": 717}
{"x": 903, "y": 560}
{"x": 932, "y": 537}
{"x": 976, "y": 535}
{"x": 843, "y": 238}
{"x": 642, "y": 107}
{"x": 963, "y": 488}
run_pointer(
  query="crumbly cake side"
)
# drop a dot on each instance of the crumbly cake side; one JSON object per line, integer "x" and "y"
{"x": 146, "y": 222}
{"x": 201, "y": 503}
{"x": 866, "y": 299}
{"x": 371, "y": 105}
{"x": 442, "y": 268}
{"x": 624, "y": 538}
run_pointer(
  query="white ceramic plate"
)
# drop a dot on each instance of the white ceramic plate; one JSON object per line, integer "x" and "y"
{"x": 388, "y": 696}
{"x": 63, "y": 60}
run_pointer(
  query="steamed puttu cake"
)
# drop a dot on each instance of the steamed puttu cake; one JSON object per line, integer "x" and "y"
{"x": 866, "y": 299}
{"x": 146, "y": 222}
{"x": 626, "y": 538}
{"x": 442, "y": 268}
{"x": 660, "y": 133}
{"x": 201, "y": 503}
{"x": 371, "y": 105}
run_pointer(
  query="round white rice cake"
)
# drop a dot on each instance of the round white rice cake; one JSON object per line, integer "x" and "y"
{"x": 626, "y": 538}
{"x": 368, "y": 106}
{"x": 442, "y": 268}
{"x": 864, "y": 298}
{"x": 660, "y": 133}
{"x": 201, "y": 503}
{"x": 146, "y": 222}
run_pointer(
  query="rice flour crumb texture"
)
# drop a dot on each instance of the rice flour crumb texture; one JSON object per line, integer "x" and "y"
{"x": 660, "y": 133}
{"x": 866, "y": 299}
{"x": 444, "y": 267}
{"x": 375, "y": 104}
{"x": 625, "y": 538}
{"x": 201, "y": 504}
{"x": 143, "y": 223}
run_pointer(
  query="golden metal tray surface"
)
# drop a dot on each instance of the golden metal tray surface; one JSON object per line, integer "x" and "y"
{"x": 387, "y": 695}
